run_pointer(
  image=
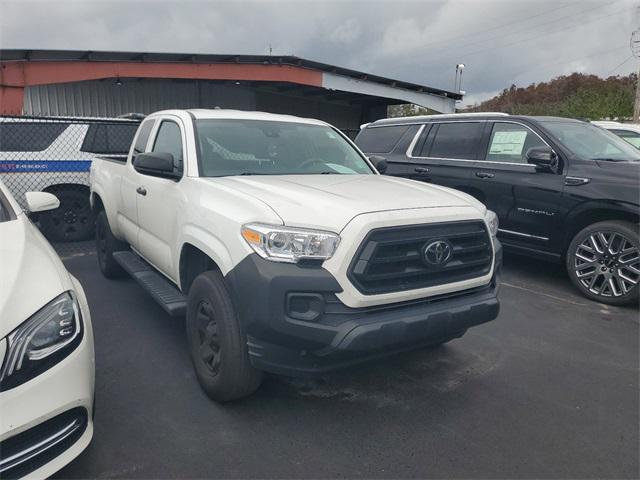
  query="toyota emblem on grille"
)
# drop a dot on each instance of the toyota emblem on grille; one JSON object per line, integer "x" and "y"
{"x": 437, "y": 252}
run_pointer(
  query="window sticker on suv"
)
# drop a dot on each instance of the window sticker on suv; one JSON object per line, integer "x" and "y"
{"x": 508, "y": 143}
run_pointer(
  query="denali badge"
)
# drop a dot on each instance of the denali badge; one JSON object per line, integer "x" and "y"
{"x": 437, "y": 252}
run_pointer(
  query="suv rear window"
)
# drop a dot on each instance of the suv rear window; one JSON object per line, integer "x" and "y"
{"x": 112, "y": 139}
{"x": 29, "y": 136}
{"x": 380, "y": 139}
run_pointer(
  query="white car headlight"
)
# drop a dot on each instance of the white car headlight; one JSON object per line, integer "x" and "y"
{"x": 491, "y": 219}
{"x": 42, "y": 341}
{"x": 285, "y": 244}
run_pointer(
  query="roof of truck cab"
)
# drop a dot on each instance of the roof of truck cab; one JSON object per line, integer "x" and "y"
{"x": 225, "y": 114}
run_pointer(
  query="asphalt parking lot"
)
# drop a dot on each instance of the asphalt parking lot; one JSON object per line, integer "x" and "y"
{"x": 549, "y": 389}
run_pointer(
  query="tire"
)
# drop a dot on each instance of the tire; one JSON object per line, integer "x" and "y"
{"x": 72, "y": 221}
{"x": 603, "y": 262}
{"x": 106, "y": 246}
{"x": 217, "y": 345}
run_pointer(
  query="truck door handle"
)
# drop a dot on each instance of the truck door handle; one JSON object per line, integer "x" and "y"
{"x": 421, "y": 170}
{"x": 141, "y": 191}
{"x": 484, "y": 175}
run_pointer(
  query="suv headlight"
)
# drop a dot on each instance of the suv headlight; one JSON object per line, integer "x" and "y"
{"x": 42, "y": 341}
{"x": 284, "y": 244}
{"x": 491, "y": 219}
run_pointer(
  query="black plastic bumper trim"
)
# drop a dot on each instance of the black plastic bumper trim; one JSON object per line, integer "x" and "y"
{"x": 341, "y": 335}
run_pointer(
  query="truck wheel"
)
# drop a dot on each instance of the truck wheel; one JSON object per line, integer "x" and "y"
{"x": 603, "y": 261}
{"x": 106, "y": 245}
{"x": 216, "y": 342}
{"x": 72, "y": 221}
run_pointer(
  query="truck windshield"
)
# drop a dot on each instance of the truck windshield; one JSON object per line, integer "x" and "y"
{"x": 590, "y": 142}
{"x": 257, "y": 147}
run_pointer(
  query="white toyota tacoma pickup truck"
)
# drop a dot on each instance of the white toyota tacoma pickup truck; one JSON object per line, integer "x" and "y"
{"x": 284, "y": 247}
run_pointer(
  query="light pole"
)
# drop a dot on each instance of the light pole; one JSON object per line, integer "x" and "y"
{"x": 458, "y": 81}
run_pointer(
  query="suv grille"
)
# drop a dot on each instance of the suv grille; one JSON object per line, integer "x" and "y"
{"x": 394, "y": 259}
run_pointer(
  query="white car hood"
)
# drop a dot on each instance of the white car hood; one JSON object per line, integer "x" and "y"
{"x": 330, "y": 202}
{"x": 31, "y": 274}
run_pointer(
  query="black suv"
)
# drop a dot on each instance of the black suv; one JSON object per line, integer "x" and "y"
{"x": 564, "y": 190}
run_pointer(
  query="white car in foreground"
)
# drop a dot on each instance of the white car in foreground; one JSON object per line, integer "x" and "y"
{"x": 46, "y": 349}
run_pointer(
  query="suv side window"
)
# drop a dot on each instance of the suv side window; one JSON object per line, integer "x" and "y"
{"x": 143, "y": 136}
{"x": 509, "y": 143}
{"x": 29, "y": 136}
{"x": 380, "y": 139}
{"x": 456, "y": 140}
{"x": 169, "y": 140}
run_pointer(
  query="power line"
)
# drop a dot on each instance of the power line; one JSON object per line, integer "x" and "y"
{"x": 563, "y": 29}
{"x": 552, "y": 32}
{"x": 499, "y": 27}
{"x": 616, "y": 68}
{"x": 541, "y": 24}
{"x": 562, "y": 62}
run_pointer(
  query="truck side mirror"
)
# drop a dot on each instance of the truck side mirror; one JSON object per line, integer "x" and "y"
{"x": 379, "y": 162}
{"x": 157, "y": 164}
{"x": 543, "y": 157}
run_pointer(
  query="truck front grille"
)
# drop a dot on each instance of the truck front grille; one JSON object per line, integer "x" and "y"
{"x": 393, "y": 259}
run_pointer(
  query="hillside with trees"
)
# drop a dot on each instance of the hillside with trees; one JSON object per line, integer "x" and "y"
{"x": 576, "y": 95}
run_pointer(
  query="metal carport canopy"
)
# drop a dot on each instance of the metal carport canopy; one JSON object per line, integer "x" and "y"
{"x": 23, "y": 68}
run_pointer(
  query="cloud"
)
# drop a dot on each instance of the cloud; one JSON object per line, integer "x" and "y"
{"x": 500, "y": 41}
{"x": 347, "y": 32}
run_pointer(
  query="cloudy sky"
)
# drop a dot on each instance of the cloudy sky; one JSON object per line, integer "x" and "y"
{"x": 501, "y": 42}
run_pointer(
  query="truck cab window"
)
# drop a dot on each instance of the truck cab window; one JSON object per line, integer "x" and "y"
{"x": 109, "y": 139}
{"x": 169, "y": 140}
{"x": 143, "y": 136}
{"x": 509, "y": 143}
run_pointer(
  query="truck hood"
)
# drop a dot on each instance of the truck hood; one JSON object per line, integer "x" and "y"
{"x": 31, "y": 274}
{"x": 329, "y": 202}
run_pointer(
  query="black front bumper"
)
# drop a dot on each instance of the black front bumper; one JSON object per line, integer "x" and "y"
{"x": 285, "y": 339}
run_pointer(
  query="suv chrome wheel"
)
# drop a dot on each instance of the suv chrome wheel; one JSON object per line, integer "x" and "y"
{"x": 607, "y": 264}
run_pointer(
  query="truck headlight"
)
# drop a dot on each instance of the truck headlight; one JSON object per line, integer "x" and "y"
{"x": 284, "y": 244}
{"x": 42, "y": 341}
{"x": 491, "y": 220}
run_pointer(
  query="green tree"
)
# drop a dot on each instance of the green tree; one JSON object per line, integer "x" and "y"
{"x": 576, "y": 95}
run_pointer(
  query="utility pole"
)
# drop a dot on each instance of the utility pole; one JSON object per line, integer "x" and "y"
{"x": 635, "y": 50}
{"x": 636, "y": 105}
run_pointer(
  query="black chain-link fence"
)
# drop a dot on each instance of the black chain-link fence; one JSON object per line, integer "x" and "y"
{"x": 54, "y": 154}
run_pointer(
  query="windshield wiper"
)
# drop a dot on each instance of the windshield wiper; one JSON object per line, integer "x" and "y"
{"x": 606, "y": 159}
{"x": 253, "y": 173}
{"x": 329, "y": 172}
